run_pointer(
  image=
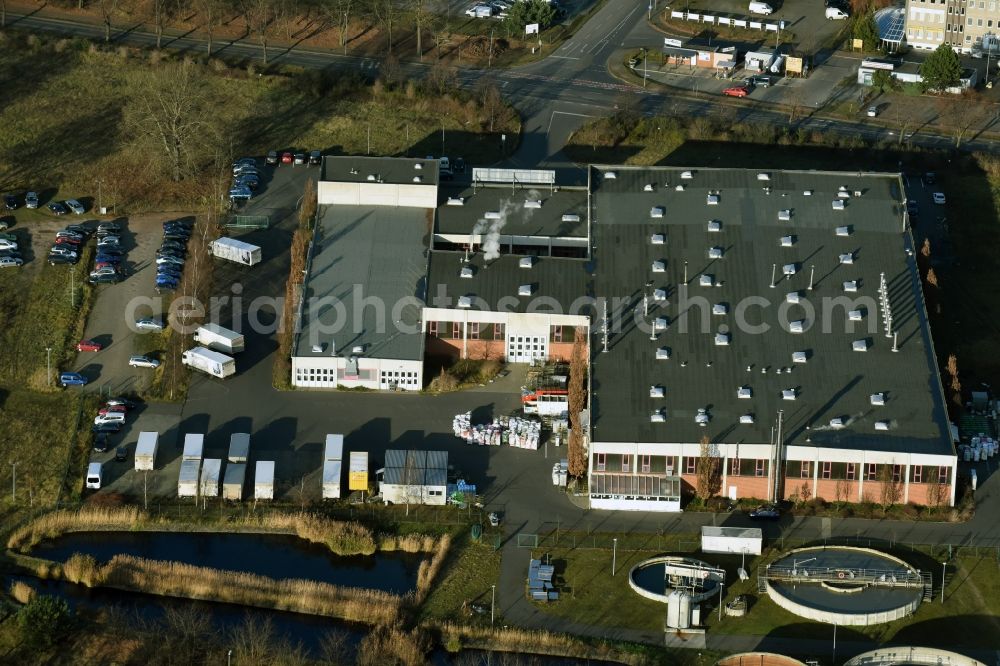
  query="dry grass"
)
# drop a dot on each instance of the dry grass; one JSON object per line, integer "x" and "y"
{"x": 56, "y": 523}
{"x": 394, "y": 645}
{"x": 456, "y": 637}
{"x": 429, "y": 569}
{"x": 408, "y": 543}
{"x": 340, "y": 537}
{"x": 21, "y": 592}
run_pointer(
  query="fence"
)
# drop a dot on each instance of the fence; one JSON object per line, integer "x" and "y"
{"x": 248, "y": 222}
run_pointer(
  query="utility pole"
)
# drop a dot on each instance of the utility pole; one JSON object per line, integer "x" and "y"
{"x": 490, "y": 61}
{"x": 614, "y": 555}
{"x": 944, "y": 572}
{"x": 493, "y": 603}
{"x": 645, "y": 52}
{"x": 48, "y": 365}
{"x": 13, "y": 482}
{"x": 100, "y": 206}
{"x": 369, "y": 138}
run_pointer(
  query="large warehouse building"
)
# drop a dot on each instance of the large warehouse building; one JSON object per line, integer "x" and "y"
{"x": 777, "y": 316}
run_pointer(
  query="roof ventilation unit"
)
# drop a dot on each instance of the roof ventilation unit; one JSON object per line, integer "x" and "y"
{"x": 877, "y": 399}
{"x": 659, "y": 295}
{"x": 663, "y": 354}
{"x": 860, "y": 345}
{"x": 851, "y": 286}
{"x": 317, "y": 349}
{"x": 855, "y": 315}
{"x": 881, "y": 425}
{"x": 790, "y": 269}
{"x": 722, "y": 339}
{"x": 838, "y": 204}
{"x": 807, "y": 193}
{"x": 847, "y": 258}
{"x": 746, "y": 419}
{"x": 763, "y": 176}
{"x": 793, "y": 297}
{"x": 418, "y": 179}
{"x": 526, "y": 262}
{"x": 843, "y": 231}
{"x": 648, "y": 187}
{"x": 570, "y": 217}
{"x": 660, "y": 324}
{"x": 687, "y": 175}
{"x": 789, "y": 394}
{"x": 492, "y": 215}
{"x": 714, "y": 226}
{"x": 720, "y": 309}
{"x": 418, "y": 166}
{"x": 610, "y": 175}
{"x": 712, "y": 200}
{"x": 787, "y": 241}
{"x": 715, "y": 252}
{"x": 837, "y": 423}
{"x": 797, "y": 326}
{"x": 525, "y": 290}
{"x": 843, "y": 193}
{"x": 532, "y": 203}
{"x": 744, "y": 393}
{"x": 800, "y": 357}
{"x": 656, "y": 211}
{"x": 466, "y": 272}
{"x": 784, "y": 215}
{"x": 680, "y": 188}
{"x": 659, "y": 416}
{"x": 659, "y": 266}
{"x": 702, "y": 418}
{"x": 706, "y": 280}
{"x": 456, "y": 201}
{"x": 658, "y": 239}
{"x": 371, "y": 178}
{"x": 465, "y": 301}
{"x": 657, "y": 392}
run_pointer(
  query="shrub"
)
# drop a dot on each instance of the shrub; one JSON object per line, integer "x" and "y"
{"x": 21, "y": 592}
{"x": 41, "y": 620}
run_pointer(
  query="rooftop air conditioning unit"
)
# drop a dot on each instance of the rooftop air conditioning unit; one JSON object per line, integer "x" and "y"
{"x": 659, "y": 295}
{"x": 797, "y": 326}
{"x": 358, "y": 349}
{"x": 763, "y": 176}
{"x": 456, "y": 201}
{"x": 702, "y": 418}
{"x": 837, "y": 423}
{"x": 648, "y": 187}
{"x": 466, "y": 272}
{"x": 492, "y": 215}
{"x": 790, "y": 269}
{"x": 705, "y": 280}
{"x": 525, "y": 290}
{"x": 317, "y": 349}
{"x": 712, "y": 200}
{"x": 722, "y": 339}
{"x": 570, "y": 217}
{"x": 532, "y": 203}
{"x": 784, "y": 215}
{"x": 877, "y": 399}
{"x": 526, "y": 262}
{"x": 465, "y": 301}
{"x": 746, "y": 419}
{"x": 679, "y": 188}
{"x": 687, "y": 175}
{"x": 851, "y": 286}
{"x": 658, "y": 239}
{"x": 660, "y": 324}
{"x": 789, "y": 394}
{"x": 663, "y": 354}
{"x": 715, "y": 252}
{"x": 657, "y": 392}
{"x": 847, "y": 258}
{"x": 860, "y": 345}
{"x": 720, "y": 309}
{"x": 843, "y": 231}
{"x": 800, "y": 357}
{"x": 656, "y": 212}
{"x": 418, "y": 179}
{"x": 855, "y": 315}
{"x": 838, "y": 204}
{"x": 714, "y": 226}
{"x": 610, "y": 175}
{"x": 659, "y": 416}
{"x": 744, "y": 393}
{"x": 807, "y": 193}
{"x": 842, "y": 193}
{"x": 787, "y": 241}
{"x": 659, "y": 266}
{"x": 793, "y": 297}
{"x": 881, "y": 425}
{"x": 418, "y": 165}
{"x": 371, "y": 178}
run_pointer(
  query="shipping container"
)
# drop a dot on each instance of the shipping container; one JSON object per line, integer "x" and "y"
{"x": 211, "y": 472}
{"x": 145, "y": 451}
{"x": 239, "y": 447}
{"x": 331, "y": 479}
{"x": 233, "y": 482}
{"x": 220, "y": 339}
{"x": 238, "y": 251}
{"x": 194, "y": 447}
{"x": 187, "y": 481}
{"x": 263, "y": 480}
{"x": 358, "y": 471}
{"x": 334, "y": 447}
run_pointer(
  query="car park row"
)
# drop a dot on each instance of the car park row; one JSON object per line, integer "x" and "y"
{"x": 171, "y": 255}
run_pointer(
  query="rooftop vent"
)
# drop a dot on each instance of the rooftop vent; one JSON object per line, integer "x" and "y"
{"x": 702, "y": 418}
{"x": 797, "y": 326}
{"x": 715, "y": 252}
{"x": 526, "y": 262}
{"x": 787, "y": 241}
{"x": 746, "y": 419}
{"x": 712, "y": 200}
{"x": 838, "y": 204}
{"x": 720, "y": 309}
{"x": 418, "y": 166}
{"x": 456, "y": 201}
{"x": 687, "y": 175}
{"x": 784, "y": 215}
{"x": 679, "y": 188}
{"x": 358, "y": 349}
{"x": 660, "y": 324}
{"x": 659, "y": 294}
{"x": 657, "y": 392}
{"x": 800, "y": 357}
{"x": 371, "y": 178}
{"x": 714, "y": 226}
{"x": 663, "y": 353}
{"x": 807, "y": 193}
{"x": 877, "y": 399}
{"x": 793, "y": 297}
{"x": 465, "y": 301}
{"x": 656, "y": 211}
{"x": 570, "y": 217}
{"x": 722, "y": 339}
{"x": 466, "y": 272}
{"x": 847, "y": 258}
{"x": 525, "y": 290}
{"x": 317, "y": 349}
{"x": 851, "y": 286}
{"x": 857, "y": 194}
{"x": 744, "y": 393}
{"x": 855, "y": 315}
{"x": 763, "y": 176}
{"x": 706, "y": 280}
{"x": 789, "y": 394}
{"x": 648, "y": 187}
{"x": 843, "y": 231}
{"x": 837, "y": 423}
{"x": 659, "y": 266}
{"x": 843, "y": 193}
{"x": 658, "y": 239}
{"x": 610, "y": 175}
{"x": 532, "y": 203}
{"x": 881, "y": 425}
{"x": 860, "y": 345}
{"x": 492, "y": 215}
{"x": 790, "y": 269}
{"x": 418, "y": 179}
{"x": 659, "y": 416}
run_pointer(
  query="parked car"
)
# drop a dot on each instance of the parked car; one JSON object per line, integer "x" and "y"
{"x": 240, "y": 193}
{"x": 121, "y": 453}
{"x": 108, "y": 226}
{"x": 930, "y": 177}
{"x": 315, "y": 158}
{"x": 939, "y": 198}
{"x": 143, "y": 362}
{"x": 169, "y": 259}
{"x": 112, "y": 251}
{"x": 10, "y": 262}
{"x": 765, "y": 512}
{"x": 736, "y": 91}
{"x": 300, "y": 159}
{"x": 69, "y": 233}
{"x": 872, "y": 111}
{"x": 108, "y": 259}
{"x": 77, "y": 228}
{"x": 75, "y": 206}
{"x": 149, "y": 324}
{"x": 8, "y": 245}
{"x": 244, "y": 163}
{"x": 911, "y": 207}
{"x": 760, "y": 80}
{"x": 459, "y": 165}
{"x": 68, "y": 240}
{"x": 72, "y": 379}
{"x": 286, "y": 158}
{"x": 173, "y": 245}
{"x": 31, "y": 200}
{"x": 6, "y": 222}
{"x": 114, "y": 417}
{"x": 11, "y": 202}
{"x": 109, "y": 426}
{"x": 88, "y": 346}
{"x": 57, "y": 208}
{"x": 64, "y": 250}
{"x": 105, "y": 278}
{"x": 112, "y": 409}
{"x": 251, "y": 181}
{"x": 61, "y": 259}
{"x": 272, "y": 157}
{"x": 102, "y": 442}
{"x": 130, "y": 404}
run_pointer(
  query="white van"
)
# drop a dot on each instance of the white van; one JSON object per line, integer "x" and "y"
{"x": 834, "y": 14}
{"x": 761, "y": 8}
{"x": 95, "y": 474}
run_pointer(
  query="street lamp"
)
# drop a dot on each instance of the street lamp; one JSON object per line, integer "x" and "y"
{"x": 493, "y": 603}
{"x": 229, "y": 658}
{"x": 614, "y": 554}
{"x": 13, "y": 482}
{"x": 645, "y": 51}
{"x": 48, "y": 365}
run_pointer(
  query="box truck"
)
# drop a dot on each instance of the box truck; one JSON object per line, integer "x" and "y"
{"x": 263, "y": 480}
{"x": 211, "y": 472}
{"x": 334, "y": 447}
{"x": 331, "y": 479}
{"x": 232, "y": 483}
{"x": 219, "y": 339}
{"x": 239, "y": 447}
{"x": 209, "y": 362}
{"x": 357, "y": 478}
{"x": 145, "y": 451}
{"x": 187, "y": 481}
{"x": 194, "y": 447}
{"x": 238, "y": 251}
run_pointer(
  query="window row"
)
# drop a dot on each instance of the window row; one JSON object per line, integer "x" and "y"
{"x": 868, "y": 471}
{"x": 486, "y": 331}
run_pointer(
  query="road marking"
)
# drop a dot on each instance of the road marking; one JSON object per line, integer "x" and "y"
{"x": 548, "y": 130}
{"x": 563, "y": 57}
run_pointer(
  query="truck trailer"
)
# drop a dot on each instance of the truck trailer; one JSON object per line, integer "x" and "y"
{"x": 145, "y": 451}
{"x": 357, "y": 476}
{"x": 238, "y": 251}
{"x": 233, "y": 482}
{"x": 210, "y": 362}
{"x": 332, "y": 470}
{"x": 217, "y": 338}
{"x": 334, "y": 448}
{"x": 239, "y": 447}
{"x": 187, "y": 481}
{"x": 194, "y": 447}
{"x": 263, "y": 480}
{"x": 211, "y": 473}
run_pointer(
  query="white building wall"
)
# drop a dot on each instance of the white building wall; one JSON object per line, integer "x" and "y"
{"x": 376, "y": 194}
{"x": 407, "y": 494}
{"x": 373, "y": 373}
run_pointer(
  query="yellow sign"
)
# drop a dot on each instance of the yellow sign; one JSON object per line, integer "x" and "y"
{"x": 858, "y": 44}
{"x": 358, "y": 481}
{"x": 793, "y": 65}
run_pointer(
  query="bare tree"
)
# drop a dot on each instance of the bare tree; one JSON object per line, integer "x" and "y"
{"x": 108, "y": 10}
{"x": 210, "y": 16}
{"x": 260, "y": 16}
{"x": 421, "y": 13}
{"x": 490, "y": 100}
{"x": 161, "y": 11}
{"x": 441, "y": 78}
{"x": 577, "y": 400}
{"x": 890, "y": 487}
{"x": 339, "y": 12}
{"x": 385, "y": 13}
{"x": 707, "y": 470}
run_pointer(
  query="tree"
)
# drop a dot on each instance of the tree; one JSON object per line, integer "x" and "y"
{"x": 421, "y": 13}
{"x": 932, "y": 278}
{"x": 925, "y": 249}
{"x": 955, "y": 384}
{"x": 307, "y": 211}
{"x": 161, "y": 10}
{"x": 41, "y": 620}
{"x": 524, "y": 12}
{"x": 108, "y": 10}
{"x": 385, "y": 13}
{"x": 339, "y": 12}
{"x": 883, "y": 81}
{"x": 577, "y": 399}
{"x": 442, "y": 78}
{"x": 889, "y": 490}
{"x": 260, "y": 16}
{"x": 941, "y": 69}
{"x": 490, "y": 100}
{"x": 210, "y": 15}
{"x": 707, "y": 470}
{"x": 864, "y": 28}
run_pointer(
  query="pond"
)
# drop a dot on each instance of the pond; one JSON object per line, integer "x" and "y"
{"x": 277, "y": 556}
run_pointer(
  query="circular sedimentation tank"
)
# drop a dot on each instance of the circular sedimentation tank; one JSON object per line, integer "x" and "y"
{"x": 649, "y": 578}
{"x": 844, "y": 585}
{"x": 758, "y": 659}
{"x": 912, "y": 656}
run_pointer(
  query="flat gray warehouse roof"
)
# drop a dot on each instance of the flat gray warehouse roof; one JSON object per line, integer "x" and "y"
{"x": 366, "y": 252}
{"x": 561, "y": 213}
{"x": 731, "y": 268}
{"x": 396, "y": 170}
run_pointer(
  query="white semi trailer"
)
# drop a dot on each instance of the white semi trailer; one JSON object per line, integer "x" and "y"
{"x": 219, "y": 339}
{"x": 210, "y": 362}
{"x": 235, "y": 250}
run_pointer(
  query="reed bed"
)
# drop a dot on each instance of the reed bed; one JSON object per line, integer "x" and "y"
{"x": 408, "y": 543}
{"x": 21, "y": 592}
{"x": 456, "y": 637}
{"x": 340, "y": 537}
{"x": 429, "y": 569}
{"x": 394, "y": 645}
{"x": 53, "y": 524}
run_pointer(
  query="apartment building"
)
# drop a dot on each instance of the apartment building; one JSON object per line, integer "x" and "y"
{"x": 965, "y": 25}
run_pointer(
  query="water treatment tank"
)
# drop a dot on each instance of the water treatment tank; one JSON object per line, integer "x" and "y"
{"x": 678, "y": 610}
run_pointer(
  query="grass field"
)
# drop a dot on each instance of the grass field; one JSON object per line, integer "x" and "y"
{"x": 470, "y": 570}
